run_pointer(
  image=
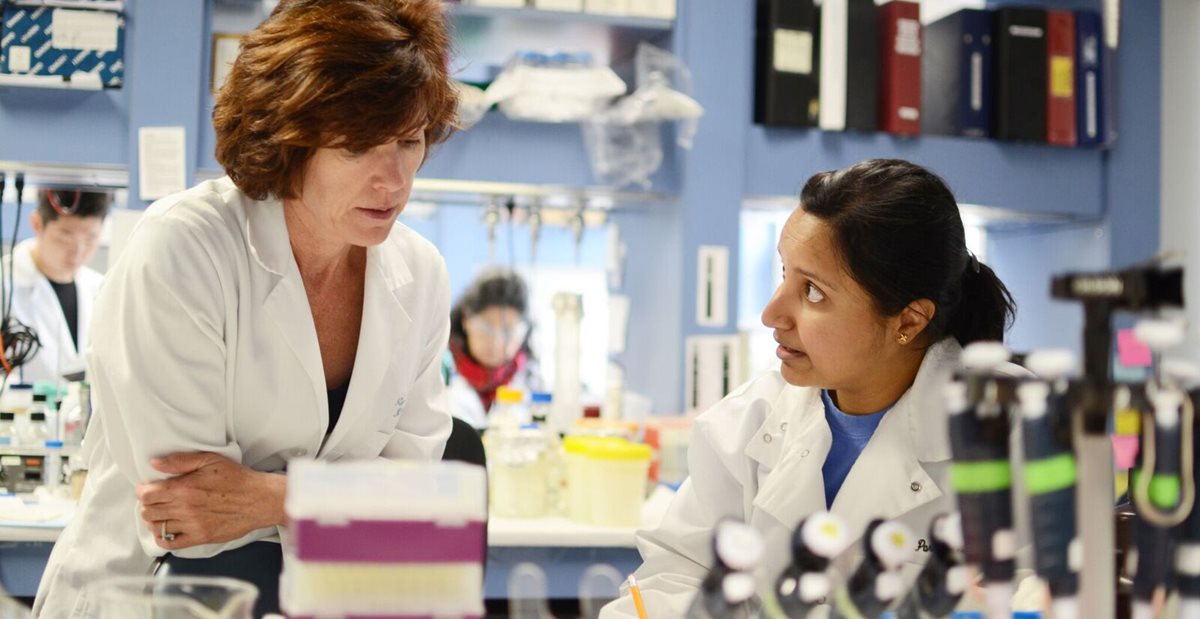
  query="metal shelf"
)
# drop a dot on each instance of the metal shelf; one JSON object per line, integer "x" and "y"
{"x": 79, "y": 81}
{"x": 78, "y": 175}
{"x": 615, "y": 21}
{"x": 547, "y": 195}
{"x": 103, "y": 5}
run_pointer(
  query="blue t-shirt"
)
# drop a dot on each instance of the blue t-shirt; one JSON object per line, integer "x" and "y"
{"x": 850, "y": 436}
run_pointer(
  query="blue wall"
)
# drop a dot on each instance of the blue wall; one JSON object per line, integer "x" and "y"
{"x": 167, "y": 84}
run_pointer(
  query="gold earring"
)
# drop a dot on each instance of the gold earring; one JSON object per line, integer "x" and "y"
{"x": 902, "y": 338}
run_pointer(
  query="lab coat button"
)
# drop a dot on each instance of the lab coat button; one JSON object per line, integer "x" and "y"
{"x": 298, "y": 453}
{"x": 804, "y": 454}
{"x": 766, "y": 438}
{"x": 783, "y": 427}
{"x": 915, "y": 486}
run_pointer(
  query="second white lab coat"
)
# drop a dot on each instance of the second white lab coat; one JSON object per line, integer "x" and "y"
{"x": 35, "y": 305}
{"x": 209, "y": 345}
{"x": 757, "y": 456}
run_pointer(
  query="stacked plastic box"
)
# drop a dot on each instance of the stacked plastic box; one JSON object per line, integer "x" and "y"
{"x": 385, "y": 540}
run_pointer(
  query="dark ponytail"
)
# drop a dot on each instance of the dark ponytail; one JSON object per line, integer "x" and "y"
{"x": 901, "y": 236}
{"x": 987, "y": 307}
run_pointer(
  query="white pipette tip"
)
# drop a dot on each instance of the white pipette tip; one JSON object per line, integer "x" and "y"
{"x": 947, "y": 528}
{"x": 1185, "y": 371}
{"x": 999, "y": 599}
{"x": 892, "y": 542}
{"x": 1143, "y": 610}
{"x": 1066, "y": 608}
{"x": 1159, "y": 334}
{"x": 1051, "y": 363}
{"x": 982, "y": 356}
{"x": 739, "y": 546}
{"x": 825, "y": 534}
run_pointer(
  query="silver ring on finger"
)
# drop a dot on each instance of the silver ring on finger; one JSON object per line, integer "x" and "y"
{"x": 166, "y": 535}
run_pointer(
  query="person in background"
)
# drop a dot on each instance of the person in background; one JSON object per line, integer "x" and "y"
{"x": 53, "y": 288}
{"x": 878, "y": 298}
{"x": 489, "y": 344}
{"x": 278, "y": 313}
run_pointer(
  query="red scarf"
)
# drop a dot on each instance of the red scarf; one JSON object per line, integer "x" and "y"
{"x": 485, "y": 380}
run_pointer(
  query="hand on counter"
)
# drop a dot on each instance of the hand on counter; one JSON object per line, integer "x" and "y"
{"x": 211, "y": 499}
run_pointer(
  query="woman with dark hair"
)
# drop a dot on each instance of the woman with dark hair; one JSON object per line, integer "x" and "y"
{"x": 489, "y": 344}
{"x": 274, "y": 314}
{"x": 878, "y": 298}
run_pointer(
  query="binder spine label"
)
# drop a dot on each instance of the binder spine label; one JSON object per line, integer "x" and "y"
{"x": 1062, "y": 76}
{"x": 793, "y": 51}
{"x": 976, "y": 81}
{"x": 908, "y": 37}
{"x": 1091, "y": 123}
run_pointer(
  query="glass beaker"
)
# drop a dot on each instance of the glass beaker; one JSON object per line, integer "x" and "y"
{"x": 172, "y": 597}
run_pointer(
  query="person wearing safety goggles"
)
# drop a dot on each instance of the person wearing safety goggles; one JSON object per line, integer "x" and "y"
{"x": 489, "y": 344}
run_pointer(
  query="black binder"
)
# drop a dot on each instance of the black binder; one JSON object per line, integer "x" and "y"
{"x": 862, "y": 66}
{"x": 1020, "y": 74}
{"x": 957, "y": 75}
{"x": 786, "y": 63}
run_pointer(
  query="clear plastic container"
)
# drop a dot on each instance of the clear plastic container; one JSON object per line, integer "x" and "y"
{"x": 17, "y": 398}
{"x": 618, "y": 482}
{"x": 520, "y": 474}
{"x": 8, "y": 430}
{"x": 36, "y": 432}
{"x": 171, "y": 597}
{"x": 578, "y": 460}
{"x": 52, "y": 466}
{"x": 540, "y": 404}
{"x": 508, "y": 410}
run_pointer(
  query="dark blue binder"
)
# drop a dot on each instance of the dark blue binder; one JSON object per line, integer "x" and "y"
{"x": 1089, "y": 78}
{"x": 957, "y": 74}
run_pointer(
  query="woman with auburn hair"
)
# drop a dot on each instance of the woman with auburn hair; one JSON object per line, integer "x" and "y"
{"x": 274, "y": 314}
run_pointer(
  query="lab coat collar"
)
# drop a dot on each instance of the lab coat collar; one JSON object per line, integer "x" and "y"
{"x": 888, "y": 478}
{"x": 25, "y": 271}
{"x": 267, "y": 235}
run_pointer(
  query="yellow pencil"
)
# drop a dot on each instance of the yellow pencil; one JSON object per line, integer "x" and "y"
{"x": 637, "y": 598}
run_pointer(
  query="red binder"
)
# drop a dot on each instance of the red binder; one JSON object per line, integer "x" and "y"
{"x": 900, "y": 67}
{"x": 1061, "y": 124}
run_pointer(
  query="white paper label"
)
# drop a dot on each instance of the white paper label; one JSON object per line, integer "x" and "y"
{"x": 793, "y": 51}
{"x": 161, "y": 161}
{"x": 19, "y": 57}
{"x": 712, "y": 286}
{"x": 91, "y": 30}
{"x": 908, "y": 37}
{"x": 1090, "y": 108}
{"x": 976, "y": 81}
{"x": 1028, "y": 32}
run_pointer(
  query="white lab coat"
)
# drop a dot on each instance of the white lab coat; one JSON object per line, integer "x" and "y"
{"x": 209, "y": 345}
{"x": 757, "y": 456}
{"x": 35, "y": 305}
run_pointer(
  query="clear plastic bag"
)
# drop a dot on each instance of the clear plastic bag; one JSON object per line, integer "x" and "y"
{"x": 472, "y": 105}
{"x": 623, "y": 153}
{"x": 624, "y": 142}
{"x": 561, "y": 87}
{"x": 664, "y": 84}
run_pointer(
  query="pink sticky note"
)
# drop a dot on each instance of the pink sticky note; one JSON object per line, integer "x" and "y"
{"x": 1131, "y": 352}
